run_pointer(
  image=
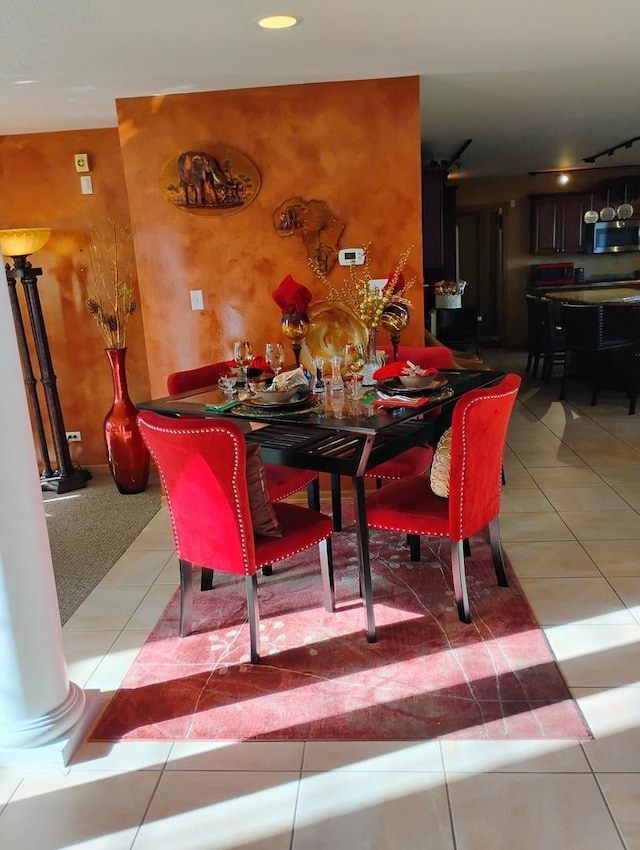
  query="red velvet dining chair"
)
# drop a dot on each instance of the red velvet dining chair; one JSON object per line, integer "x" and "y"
{"x": 196, "y": 379}
{"x": 416, "y": 460}
{"x": 478, "y": 433}
{"x": 203, "y": 466}
{"x": 282, "y": 481}
{"x": 422, "y": 355}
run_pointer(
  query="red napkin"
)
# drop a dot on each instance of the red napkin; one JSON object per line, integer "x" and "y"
{"x": 258, "y": 363}
{"x": 291, "y": 296}
{"x": 396, "y": 402}
{"x": 398, "y": 286}
{"x": 400, "y": 367}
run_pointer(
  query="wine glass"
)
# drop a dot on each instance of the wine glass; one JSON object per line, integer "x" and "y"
{"x": 295, "y": 327}
{"x": 354, "y": 361}
{"x": 227, "y": 384}
{"x": 243, "y": 355}
{"x": 274, "y": 355}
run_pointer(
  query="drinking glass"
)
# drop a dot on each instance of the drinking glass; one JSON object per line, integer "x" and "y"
{"x": 274, "y": 355}
{"x": 354, "y": 361}
{"x": 227, "y": 384}
{"x": 243, "y": 355}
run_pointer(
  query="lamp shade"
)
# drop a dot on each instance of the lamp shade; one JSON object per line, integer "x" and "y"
{"x": 22, "y": 242}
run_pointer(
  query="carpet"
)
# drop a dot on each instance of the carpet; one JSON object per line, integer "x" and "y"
{"x": 89, "y": 529}
{"x": 428, "y": 675}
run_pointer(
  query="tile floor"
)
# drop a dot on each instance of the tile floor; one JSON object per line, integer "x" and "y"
{"x": 571, "y": 527}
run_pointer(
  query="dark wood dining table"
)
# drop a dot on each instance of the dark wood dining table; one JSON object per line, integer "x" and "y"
{"x": 348, "y": 439}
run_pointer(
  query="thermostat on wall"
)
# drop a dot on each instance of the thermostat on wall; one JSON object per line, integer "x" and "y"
{"x": 351, "y": 256}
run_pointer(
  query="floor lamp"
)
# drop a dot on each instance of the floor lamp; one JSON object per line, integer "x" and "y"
{"x": 19, "y": 244}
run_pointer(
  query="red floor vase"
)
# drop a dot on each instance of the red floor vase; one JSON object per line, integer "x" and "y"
{"x": 127, "y": 455}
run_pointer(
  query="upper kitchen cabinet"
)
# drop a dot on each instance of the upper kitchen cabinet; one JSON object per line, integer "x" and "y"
{"x": 438, "y": 225}
{"x": 557, "y": 223}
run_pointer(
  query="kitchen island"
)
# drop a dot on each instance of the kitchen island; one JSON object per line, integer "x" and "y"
{"x": 597, "y": 289}
{"x": 623, "y": 295}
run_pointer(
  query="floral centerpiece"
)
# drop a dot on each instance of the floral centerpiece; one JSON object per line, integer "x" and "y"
{"x": 367, "y": 300}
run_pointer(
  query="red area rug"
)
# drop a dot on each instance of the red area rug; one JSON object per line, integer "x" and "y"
{"x": 428, "y": 675}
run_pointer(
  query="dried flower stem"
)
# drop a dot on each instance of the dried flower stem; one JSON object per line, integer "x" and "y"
{"x": 111, "y": 302}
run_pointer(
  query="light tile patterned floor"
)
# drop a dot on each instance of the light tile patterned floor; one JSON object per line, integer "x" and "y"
{"x": 571, "y": 528}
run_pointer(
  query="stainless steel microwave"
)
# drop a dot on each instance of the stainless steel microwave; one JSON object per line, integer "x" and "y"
{"x": 616, "y": 236}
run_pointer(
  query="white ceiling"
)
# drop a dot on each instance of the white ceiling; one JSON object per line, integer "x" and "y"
{"x": 536, "y": 85}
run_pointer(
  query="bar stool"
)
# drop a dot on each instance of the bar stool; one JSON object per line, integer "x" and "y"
{"x": 584, "y": 331}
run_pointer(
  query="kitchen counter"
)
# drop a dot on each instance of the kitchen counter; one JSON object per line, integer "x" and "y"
{"x": 628, "y": 294}
{"x": 593, "y": 286}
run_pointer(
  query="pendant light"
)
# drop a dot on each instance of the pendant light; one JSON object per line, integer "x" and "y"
{"x": 607, "y": 213}
{"x": 625, "y": 210}
{"x": 591, "y": 215}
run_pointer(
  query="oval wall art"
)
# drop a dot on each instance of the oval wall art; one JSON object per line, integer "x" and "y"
{"x": 210, "y": 179}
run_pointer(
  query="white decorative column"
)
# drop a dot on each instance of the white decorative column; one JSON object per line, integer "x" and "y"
{"x": 38, "y": 704}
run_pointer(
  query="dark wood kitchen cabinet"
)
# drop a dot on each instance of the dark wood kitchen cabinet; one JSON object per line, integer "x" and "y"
{"x": 557, "y": 223}
{"x": 438, "y": 225}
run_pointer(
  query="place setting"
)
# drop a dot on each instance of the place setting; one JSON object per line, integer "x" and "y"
{"x": 263, "y": 388}
{"x": 403, "y": 382}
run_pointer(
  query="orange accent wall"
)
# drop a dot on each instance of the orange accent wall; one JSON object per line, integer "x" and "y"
{"x": 353, "y": 145}
{"x": 40, "y": 187}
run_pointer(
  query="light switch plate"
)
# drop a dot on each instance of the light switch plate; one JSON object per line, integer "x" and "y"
{"x": 86, "y": 185}
{"x": 197, "y": 301}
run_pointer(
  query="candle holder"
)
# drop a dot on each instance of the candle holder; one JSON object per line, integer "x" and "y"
{"x": 395, "y": 318}
{"x": 295, "y": 327}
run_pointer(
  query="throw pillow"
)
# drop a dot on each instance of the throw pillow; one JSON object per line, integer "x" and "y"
{"x": 263, "y": 516}
{"x": 440, "y": 464}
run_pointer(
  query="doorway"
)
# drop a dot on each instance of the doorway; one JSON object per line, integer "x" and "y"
{"x": 479, "y": 237}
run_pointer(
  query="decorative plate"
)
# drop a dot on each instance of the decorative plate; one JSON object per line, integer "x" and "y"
{"x": 333, "y": 325}
{"x": 394, "y": 387}
{"x": 293, "y": 403}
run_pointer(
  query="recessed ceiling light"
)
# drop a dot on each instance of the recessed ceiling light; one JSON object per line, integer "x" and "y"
{"x": 278, "y": 22}
{"x": 563, "y": 178}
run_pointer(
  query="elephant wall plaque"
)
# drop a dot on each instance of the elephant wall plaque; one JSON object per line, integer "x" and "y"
{"x": 210, "y": 179}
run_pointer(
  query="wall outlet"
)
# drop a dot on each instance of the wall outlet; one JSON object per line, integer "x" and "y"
{"x": 74, "y": 436}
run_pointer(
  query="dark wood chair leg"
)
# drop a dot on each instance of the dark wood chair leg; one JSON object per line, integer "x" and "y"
{"x": 496, "y": 551}
{"x": 336, "y": 502}
{"x": 460, "y": 581}
{"x": 253, "y": 611}
{"x": 466, "y": 547}
{"x": 313, "y": 494}
{"x": 206, "y": 579}
{"x": 186, "y": 598}
{"x": 414, "y": 546}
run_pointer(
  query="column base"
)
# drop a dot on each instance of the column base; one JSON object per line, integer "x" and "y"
{"x": 57, "y": 753}
{"x": 58, "y": 483}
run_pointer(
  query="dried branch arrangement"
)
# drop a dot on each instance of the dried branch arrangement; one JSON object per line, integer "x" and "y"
{"x": 111, "y": 301}
{"x": 366, "y": 300}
